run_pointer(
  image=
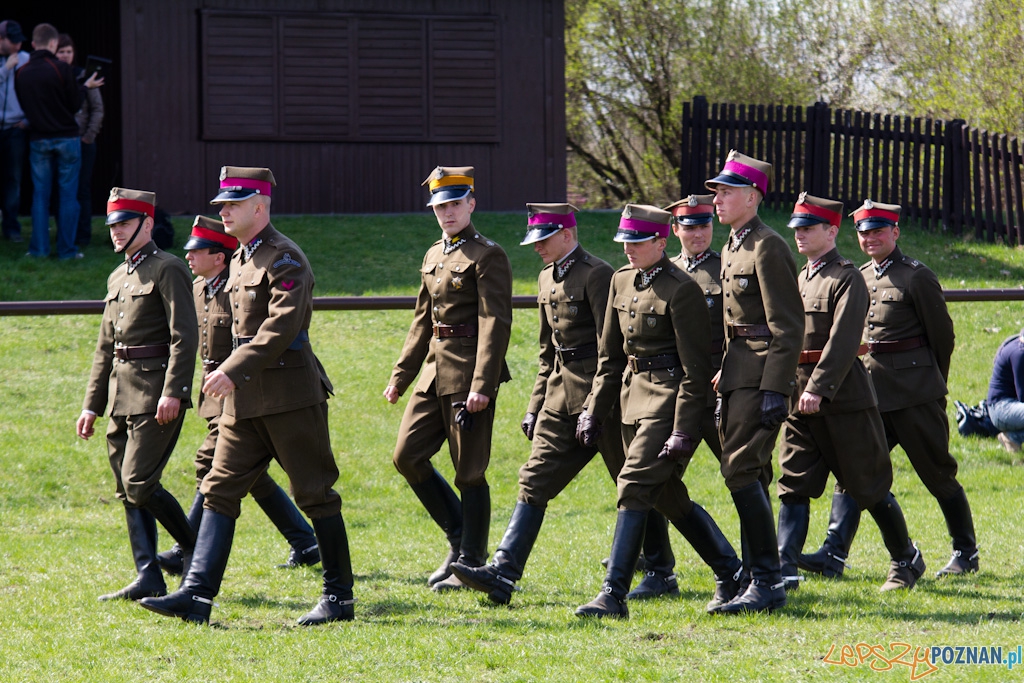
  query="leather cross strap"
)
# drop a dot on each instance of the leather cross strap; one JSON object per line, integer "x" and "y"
{"x": 568, "y": 354}
{"x": 748, "y": 331}
{"x": 446, "y": 331}
{"x": 814, "y": 355}
{"x": 669, "y": 360}
{"x": 897, "y": 345}
{"x": 137, "y": 352}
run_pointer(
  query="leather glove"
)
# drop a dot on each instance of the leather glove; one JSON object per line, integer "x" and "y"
{"x": 680, "y": 445}
{"x": 718, "y": 412}
{"x": 773, "y": 409}
{"x": 463, "y": 418}
{"x": 588, "y": 429}
{"x": 528, "y": 424}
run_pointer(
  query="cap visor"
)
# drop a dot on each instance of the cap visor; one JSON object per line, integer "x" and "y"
{"x": 122, "y": 215}
{"x": 629, "y": 236}
{"x": 695, "y": 220}
{"x": 538, "y": 235}
{"x": 727, "y": 179}
{"x": 200, "y": 243}
{"x": 803, "y": 220}
{"x": 873, "y": 224}
{"x": 451, "y": 194}
{"x": 233, "y": 195}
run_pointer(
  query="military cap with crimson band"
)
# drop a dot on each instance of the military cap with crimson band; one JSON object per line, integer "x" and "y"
{"x": 544, "y": 220}
{"x": 449, "y": 184}
{"x": 642, "y": 222}
{"x": 696, "y": 209}
{"x": 811, "y": 210}
{"x": 743, "y": 171}
{"x": 872, "y": 215}
{"x": 124, "y": 204}
{"x": 241, "y": 182}
{"x": 208, "y": 233}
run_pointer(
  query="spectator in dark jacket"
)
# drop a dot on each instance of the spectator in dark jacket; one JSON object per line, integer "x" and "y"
{"x": 13, "y": 136}
{"x": 1006, "y": 392}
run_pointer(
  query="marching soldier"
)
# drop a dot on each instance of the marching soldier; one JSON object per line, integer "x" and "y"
{"x": 764, "y": 330}
{"x": 835, "y": 426}
{"x": 275, "y": 406}
{"x": 459, "y": 334}
{"x": 910, "y": 343}
{"x": 573, "y": 296}
{"x": 142, "y": 373}
{"x": 653, "y": 363}
{"x": 207, "y": 252}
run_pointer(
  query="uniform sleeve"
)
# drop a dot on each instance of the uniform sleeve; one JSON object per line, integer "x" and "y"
{"x": 611, "y": 362}
{"x": 175, "y": 288}
{"x": 849, "y": 306}
{"x": 417, "y": 344}
{"x": 546, "y": 362}
{"x": 784, "y": 313}
{"x": 494, "y": 320}
{"x": 930, "y": 304}
{"x": 693, "y": 339}
{"x": 96, "y": 391}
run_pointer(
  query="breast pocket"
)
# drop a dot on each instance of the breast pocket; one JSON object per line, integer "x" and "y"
{"x": 255, "y": 290}
{"x": 653, "y": 320}
{"x": 459, "y": 277}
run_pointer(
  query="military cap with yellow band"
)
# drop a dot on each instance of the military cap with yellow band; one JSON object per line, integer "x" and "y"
{"x": 124, "y": 204}
{"x": 241, "y": 182}
{"x": 696, "y": 209}
{"x": 743, "y": 171}
{"x": 544, "y": 220}
{"x": 872, "y": 215}
{"x": 811, "y": 210}
{"x": 208, "y": 233}
{"x": 449, "y": 184}
{"x": 642, "y": 222}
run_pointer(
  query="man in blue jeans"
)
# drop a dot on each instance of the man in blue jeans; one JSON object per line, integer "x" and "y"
{"x": 50, "y": 96}
{"x": 1006, "y": 392}
{"x": 13, "y": 137}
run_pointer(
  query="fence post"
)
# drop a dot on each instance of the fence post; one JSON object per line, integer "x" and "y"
{"x": 953, "y": 172}
{"x": 816, "y": 156}
{"x": 694, "y": 146}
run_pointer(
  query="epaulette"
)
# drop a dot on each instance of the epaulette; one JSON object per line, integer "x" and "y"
{"x": 677, "y": 273}
{"x": 846, "y": 263}
{"x": 912, "y": 262}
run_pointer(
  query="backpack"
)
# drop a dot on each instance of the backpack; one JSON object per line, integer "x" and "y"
{"x": 974, "y": 420}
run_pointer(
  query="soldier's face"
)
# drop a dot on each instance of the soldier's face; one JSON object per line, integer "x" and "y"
{"x": 239, "y": 217}
{"x": 733, "y": 204}
{"x": 643, "y": 255}
{"x": 814, "y": 240}
{"x": 554, "y": 247}
{"x": 122, "y": 231}
{"x": 879, "y": 243}
{"x": 454, "y": 216}
{"x": 204, "y": 263}
{"x": 695, "y": 239}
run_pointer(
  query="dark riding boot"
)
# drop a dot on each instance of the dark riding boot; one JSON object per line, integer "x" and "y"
{"x": 336, "y": 602}
{"x": 765, "y": 592}
{"x": 476, "y": 523}
{"x": 960, "y": 523}
{"x": 280, "y": 510}
{"x": 498, "y": 578}
{"x": 794, "y": 519}
{"x": 193, "y": 601}
{"x": 700, "y": 531}
{"x": 445, "y": 509}
{"x": 149, "y": 582}
{"x": 659, "y": 575}
{"x": 906, "y": 565}
{"x": 168, "y": 512}
{"x": 830, "y": 559}
{"x": 171, "y": 561}
{"x": 629, "y": 537}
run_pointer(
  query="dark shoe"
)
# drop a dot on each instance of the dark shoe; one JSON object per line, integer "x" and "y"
{"x": 149, "y": 582}
{"x": 844, "y": 520}
{"x": 181, "y": 604}
{"x": 794, "y": 519}
{"x": 172, "y": 561}
{"x": 960, "y": 523}
{"x": 452, "y": 583}
{"x": 958, "y": 564}
{"x": 144, "y": 586}
{"x": 604, "y": 605}
{"x": 727, "y": 588}
{"x": 654, "y": 585}
{"x": 445, "y": 508}
{"x": 301, "y": 558}
{"x": 445, "y": 570}
{"x": 757, "y": 598}
{"x": 486, "y": 579}
{"x": 903, "y": 574}
{"x": 330, "y": 608}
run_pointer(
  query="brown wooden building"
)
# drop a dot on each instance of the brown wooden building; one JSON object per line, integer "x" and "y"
{"x": 350, "y": 102}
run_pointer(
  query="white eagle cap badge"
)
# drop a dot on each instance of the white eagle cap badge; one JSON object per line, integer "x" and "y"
{"x": 868, "y": 204}
{"x": 693, "y": 200}
{"x": 438, "y": 173}
{"x": 223, "y": 172}
{"x": 802, "y": 199}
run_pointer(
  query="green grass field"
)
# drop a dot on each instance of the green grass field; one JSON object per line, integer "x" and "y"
{"x": 62, "y": 538}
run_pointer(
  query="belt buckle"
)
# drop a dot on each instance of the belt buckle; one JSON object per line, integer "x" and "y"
{"x": 631, "y": 361}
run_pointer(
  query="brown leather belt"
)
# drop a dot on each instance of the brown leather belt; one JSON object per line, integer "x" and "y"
{"x": 210, "y": 365}
{"x": 566, "y": 355}
{"x": 732, "y": 331}
{"x": 897, "y": 345}
{"x": 446, "y": 331}
{"x": 137, "y": 352}
{"x": 814, "y": 355}
{"x": 669, "y": 360}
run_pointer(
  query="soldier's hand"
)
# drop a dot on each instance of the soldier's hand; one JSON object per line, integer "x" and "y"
{"x": 463, "y": 418}
{"x": 528, "y": 424}
{"x": 391, "y": 394}
{"x": 476, "y": 402}
{"x": 773, "y": 409}
{"x": 218, "y": 385}
{"x": 167, "y": 409}
{"x": 715, "y": 379}
{"x": 809, "y": 403}
{"x": 680, "y": 445}
{"x": 588, "y": 429}
{"x": 718, "y": 412}
{"x": 84, "y": 427}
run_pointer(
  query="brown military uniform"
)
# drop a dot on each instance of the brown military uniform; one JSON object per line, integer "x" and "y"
{"x": 907, "y": 304}
{"x": 469, "y": 293}
{"x": 666, "y": 319}
{"x": 706, "y": 269}
{"x": 845, "y": 436}
{"x": 571, "y": 314}
{"x": 759, "y": 289}
{"x": 279, "y": 407}
{"x": 147, "y": 307}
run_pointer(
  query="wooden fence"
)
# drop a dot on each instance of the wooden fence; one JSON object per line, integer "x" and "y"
{"x": 945, "y": 174}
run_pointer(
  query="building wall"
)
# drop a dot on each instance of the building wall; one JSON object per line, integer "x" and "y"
{"x": 166, "y": 146}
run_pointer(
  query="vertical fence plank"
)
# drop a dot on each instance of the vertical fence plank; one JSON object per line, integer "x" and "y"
{"x": 1017, "y": 161}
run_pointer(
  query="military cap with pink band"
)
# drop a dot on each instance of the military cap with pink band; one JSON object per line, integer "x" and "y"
{"x": 544, "y": 220}
{"x": 240, "y": 182}
{"x": 642, "y": 222}
{"x": 743, "y": 171}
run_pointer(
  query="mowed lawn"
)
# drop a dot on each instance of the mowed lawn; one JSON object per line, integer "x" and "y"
{"x": 63, "y": 540}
